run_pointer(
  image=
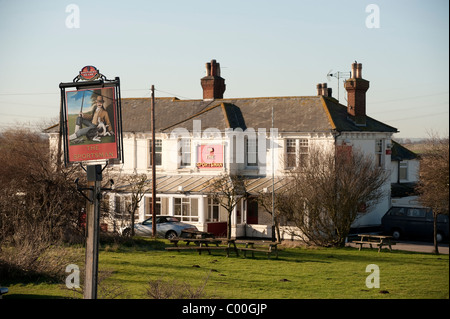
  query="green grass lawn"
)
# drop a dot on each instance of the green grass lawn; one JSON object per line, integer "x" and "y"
{"x": 299, "y": 273}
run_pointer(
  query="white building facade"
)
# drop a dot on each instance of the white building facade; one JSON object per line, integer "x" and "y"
{"x": 261, "y": 138}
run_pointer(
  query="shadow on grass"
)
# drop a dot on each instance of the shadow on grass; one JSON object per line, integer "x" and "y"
{"x": 31, "y": 296}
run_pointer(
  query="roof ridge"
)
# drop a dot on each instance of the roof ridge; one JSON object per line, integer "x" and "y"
{"x": 175, "y": 99}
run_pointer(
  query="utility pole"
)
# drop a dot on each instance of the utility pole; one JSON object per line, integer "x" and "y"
{"x": 94, "y": 177}
{"x": 273, "y": 183}
{"x": 153, "y": 163}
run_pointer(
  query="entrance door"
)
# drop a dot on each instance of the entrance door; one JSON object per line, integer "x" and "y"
{"x": 252, "y": 211}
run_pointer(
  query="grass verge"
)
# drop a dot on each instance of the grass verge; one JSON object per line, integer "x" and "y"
{"x": 299, "y": 273}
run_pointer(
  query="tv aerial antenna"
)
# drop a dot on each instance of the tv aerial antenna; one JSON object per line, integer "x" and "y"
{"x": 339, "y": 75}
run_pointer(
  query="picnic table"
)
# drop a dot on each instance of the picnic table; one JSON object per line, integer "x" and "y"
{"x": 186, "y": 233}
{"x": 268, "y": 247}
{"x": 376, "y": 240}
{"x": 201, "y": 244}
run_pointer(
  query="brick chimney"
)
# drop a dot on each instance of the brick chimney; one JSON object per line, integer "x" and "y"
{"x": 323, "y": 90}
{"x": 356, "y": 88}
{"x": 213, "y": 85}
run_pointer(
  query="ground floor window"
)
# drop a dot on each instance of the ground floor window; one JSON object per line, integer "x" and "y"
{"x": 122, "y": 206}
{"x": 213, "y": 210}
{"x": 148, "y": 208}
{"x": 186, "y": 209}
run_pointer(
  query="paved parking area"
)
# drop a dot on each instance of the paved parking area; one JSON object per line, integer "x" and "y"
{"x": 417, "y": 246}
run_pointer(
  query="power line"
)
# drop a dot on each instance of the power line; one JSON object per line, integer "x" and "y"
{"x": 408, "y": 98}
{"x": 409, "y": 108}
{"x": 416, "y": 117}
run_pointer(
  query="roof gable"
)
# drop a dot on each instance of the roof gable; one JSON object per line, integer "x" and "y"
{"x": 343, "y": 121}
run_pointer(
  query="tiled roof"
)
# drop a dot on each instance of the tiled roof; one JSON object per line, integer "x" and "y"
{"x": 291, "y": 114}
{"x": 343, "y": 123}
{"x": 401, "y": 153}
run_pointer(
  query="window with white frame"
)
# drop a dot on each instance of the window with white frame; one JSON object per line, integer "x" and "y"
{"x": 291, "y": 153}
{"x": 185, "y": 152}
{"x": 213, "y": 209}
{"x": 158, "y": 152}
{"x": 251, "y": 152}
{"x": 297, "y": 152}
{"x": 379, "y": 153}
{"x": 148, "y": 210}
{"x": 403, "y": 171}
{"x": 186, "y": 209}
{"x": 303, "y": 151}
{"x": 121, "y": 206}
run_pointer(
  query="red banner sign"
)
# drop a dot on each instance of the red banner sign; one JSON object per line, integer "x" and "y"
{"x": 210, "y": 156}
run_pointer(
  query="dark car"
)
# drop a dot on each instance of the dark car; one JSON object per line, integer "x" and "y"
{"x": 414, "y": 223}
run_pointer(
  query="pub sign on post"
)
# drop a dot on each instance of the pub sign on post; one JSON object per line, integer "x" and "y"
{"x": 91, "y": 118}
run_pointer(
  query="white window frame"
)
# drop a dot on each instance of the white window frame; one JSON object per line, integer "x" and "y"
{"x": 379, "y": 148}
{"x": 251, "y": 153}
{"x": 291, "y": 143}
{"x": 184, "y": 207}
{"x": 403, "y": 166}
{"x": 185, "y": 152}
{"x": 213, "y": 204}
{"x": 158, "y": 144}
{"x": 148, "y": 211}
{"x": 301, "y": 151}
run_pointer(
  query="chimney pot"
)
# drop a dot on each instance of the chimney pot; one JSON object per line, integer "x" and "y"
{"x": 354, "y": 65}
{"x": 324, "y": 89}
{"x": 359, "y": 71}
{"x": 213, "y": 85}
{"x": 213, "y": 67}
{"x": 218, "y": 69}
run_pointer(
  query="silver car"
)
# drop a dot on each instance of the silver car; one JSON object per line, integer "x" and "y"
{"x": 166, "y": 227}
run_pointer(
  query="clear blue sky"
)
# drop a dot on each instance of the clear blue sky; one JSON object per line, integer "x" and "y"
{"x": 265, "y": 48}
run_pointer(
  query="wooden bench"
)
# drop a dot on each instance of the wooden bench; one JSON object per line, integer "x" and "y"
{"x": 199, "y": 248}
{"x": 375, "y": 240}
{"x": 202, "y": 244}
{"x": 272, "y": 247}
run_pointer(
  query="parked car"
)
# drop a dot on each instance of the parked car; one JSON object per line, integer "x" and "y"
{"x": 414, "y": 223}
{"x": 166, "y": 227}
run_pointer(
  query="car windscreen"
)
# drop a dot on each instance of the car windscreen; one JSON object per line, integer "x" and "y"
{"x": 397, "y": 211}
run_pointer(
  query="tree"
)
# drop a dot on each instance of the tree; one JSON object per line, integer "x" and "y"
{"x": 37, "y": 200}
{"x": 39, "y": 205}
{"x": 227, "y": 190}
{"x": 136, "y": 186}
{"x": 265, "y": 200}
{"x": 328, "y": 192}
{"x": 434, "y": 179}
